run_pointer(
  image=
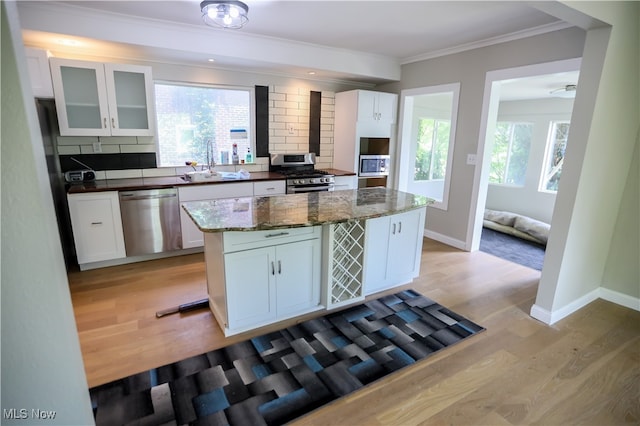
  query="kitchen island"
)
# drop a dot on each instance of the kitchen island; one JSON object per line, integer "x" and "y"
{"x": 274, "y": 258}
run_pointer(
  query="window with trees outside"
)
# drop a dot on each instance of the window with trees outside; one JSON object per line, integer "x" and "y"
{"x": 556, "y": 146}
{"x": 510, "y": 156}
{"x": 194, "y": 119}
{"x": 432, "y": 149}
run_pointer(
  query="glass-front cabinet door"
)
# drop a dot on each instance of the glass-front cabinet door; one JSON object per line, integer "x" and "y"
{"x": 96, "y": 99}
{"x": 130, "y": 90}
{"x": 81, "y": 97}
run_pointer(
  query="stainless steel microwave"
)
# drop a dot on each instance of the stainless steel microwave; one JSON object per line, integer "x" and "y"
{"x": 374, "y": 165}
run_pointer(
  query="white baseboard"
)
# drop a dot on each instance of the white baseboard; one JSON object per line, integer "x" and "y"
{"x": 142, "y": 258}
{"x": 541, "y": 314}
{"x": 551, "y": 317}
{"x": 620, "y": 298}
{"x": 446, "y": 240}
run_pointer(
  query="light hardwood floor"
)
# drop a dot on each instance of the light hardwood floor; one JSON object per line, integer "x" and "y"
{"x": 584, "y": 369}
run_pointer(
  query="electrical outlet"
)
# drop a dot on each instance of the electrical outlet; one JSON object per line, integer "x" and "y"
{"x": 471, "y": 159}
{"x": 97, "y": 147}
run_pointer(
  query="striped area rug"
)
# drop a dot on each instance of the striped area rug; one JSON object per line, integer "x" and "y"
{"x": 276, "y": 377}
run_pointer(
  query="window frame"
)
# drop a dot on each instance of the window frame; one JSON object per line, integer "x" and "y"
{"x": 252, "y": 114}
{"x": 406, "y": 159}
{"x": 551, "y": 139}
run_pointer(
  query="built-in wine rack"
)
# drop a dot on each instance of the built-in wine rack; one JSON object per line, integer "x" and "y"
{"x": 346, "y": 258}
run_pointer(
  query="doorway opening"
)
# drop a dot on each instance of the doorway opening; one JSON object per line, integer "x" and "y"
{"x": 525, "y": 120}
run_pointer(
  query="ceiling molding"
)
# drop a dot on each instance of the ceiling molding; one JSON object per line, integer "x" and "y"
{"x": 542, "y": 29}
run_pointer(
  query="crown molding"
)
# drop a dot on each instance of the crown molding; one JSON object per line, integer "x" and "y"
{"x": 542, "y": 29}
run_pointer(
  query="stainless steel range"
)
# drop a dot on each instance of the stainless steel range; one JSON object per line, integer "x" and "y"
{"x": 301, "y": 174}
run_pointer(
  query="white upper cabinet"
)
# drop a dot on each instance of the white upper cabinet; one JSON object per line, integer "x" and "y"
{"x": 361, "y": 114}
{"x": 376, "y": 106}
{"x": 39, "y": 73}
{"x": 96, "y": 99}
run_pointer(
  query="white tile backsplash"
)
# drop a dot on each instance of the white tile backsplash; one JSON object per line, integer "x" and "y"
{"x": 289, "y": 122}
{"x": 68, "y": 149}
{"x": 137, "y": 148}
{"x": 118, "y": 140}
{"x": 76, "y": 140}
{"x": 104, "y": 149}
{"x": 123, "y": 174}
{"x": 159, "y": 172}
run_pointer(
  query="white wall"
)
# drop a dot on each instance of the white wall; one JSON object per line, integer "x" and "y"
{"x": 622, "y": 270}
{"x": 527, "y": 199}
{"x": 41, "y": 362}
{"x": 597, "y": 166}
{"x": 470, "y": 68}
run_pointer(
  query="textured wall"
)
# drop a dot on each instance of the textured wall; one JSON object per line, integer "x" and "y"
{"x": 41, "y": 362}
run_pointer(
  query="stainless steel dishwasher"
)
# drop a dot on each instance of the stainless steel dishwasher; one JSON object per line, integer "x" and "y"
{"x": 150, "y": 221}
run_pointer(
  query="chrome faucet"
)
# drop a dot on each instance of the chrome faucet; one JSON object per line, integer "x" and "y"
{"x": 211, "y": 162}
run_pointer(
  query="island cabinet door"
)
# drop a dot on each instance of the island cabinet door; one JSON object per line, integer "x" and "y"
{"x": 376, "y": 254}
{"x": 405, "y": 246}
{"x": 251, "y": 291}
{"x": 297, "y": 271}
{"x": 393, "y": 249}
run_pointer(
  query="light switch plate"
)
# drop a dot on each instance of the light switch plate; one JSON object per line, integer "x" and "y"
{"x": 471, "y": 159}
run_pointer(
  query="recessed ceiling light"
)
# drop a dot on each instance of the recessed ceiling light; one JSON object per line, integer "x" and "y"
{"x": 311, "y": 73}
{"x": 211, "y": 60}
{"x": 68, "y": 42}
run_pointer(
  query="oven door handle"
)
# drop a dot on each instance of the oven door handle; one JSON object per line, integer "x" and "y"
{"x": 318, "y": 188}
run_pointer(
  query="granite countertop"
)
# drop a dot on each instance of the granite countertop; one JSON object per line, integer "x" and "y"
{"x": 295, "y": 210}
{"x": 171, "y": 181}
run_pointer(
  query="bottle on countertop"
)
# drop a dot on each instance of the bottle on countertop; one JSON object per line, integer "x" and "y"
{"x": 248, "y": 158}
{"x": 234, "y": 154}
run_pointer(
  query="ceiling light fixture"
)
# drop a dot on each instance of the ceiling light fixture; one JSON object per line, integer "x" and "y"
{"x": 568, "y": 91}
{"x": 224, "y": 14}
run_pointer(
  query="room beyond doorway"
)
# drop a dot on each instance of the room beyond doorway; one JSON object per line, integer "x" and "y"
{"x": 516, "y": 97}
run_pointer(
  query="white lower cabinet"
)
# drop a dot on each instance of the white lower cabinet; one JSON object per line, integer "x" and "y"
{"x": 271, "y": 283}
{"x": 251, "y": 290}
{"x": 393, "y": 248}
{"x": 345, "y": 182}
{"x": 269, "y": 187}
{"x": 97, "y": 226}
{"x": 297, "y": 273}
{"x": 191, "y": 235}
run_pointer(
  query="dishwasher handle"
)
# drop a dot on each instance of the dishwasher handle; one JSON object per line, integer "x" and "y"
{"x": 133, "y": 197}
